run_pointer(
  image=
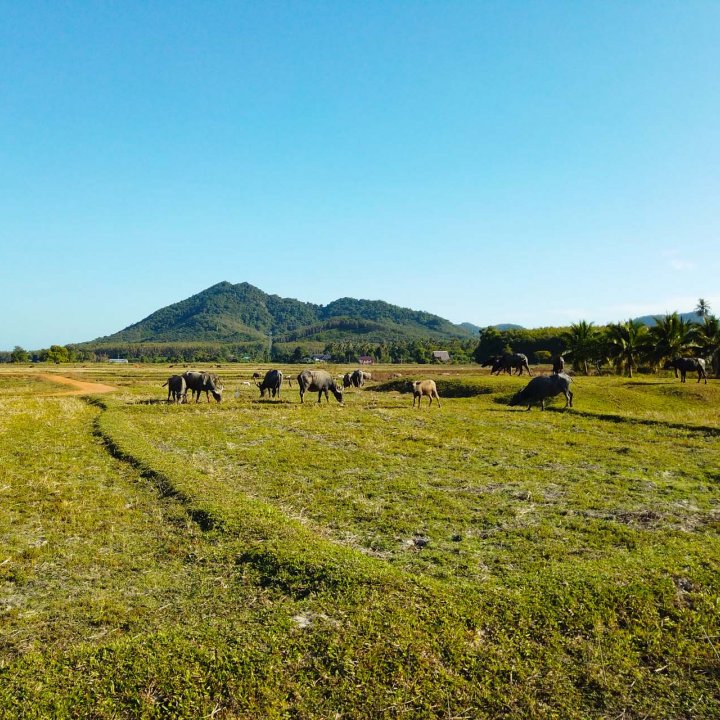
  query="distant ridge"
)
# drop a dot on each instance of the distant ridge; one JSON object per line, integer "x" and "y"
{"x": 649, "y": 320}
{"x": 227, "y": 313}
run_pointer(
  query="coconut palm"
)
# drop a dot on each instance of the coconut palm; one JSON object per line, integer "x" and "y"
{"x": 708, "y": 340}
{"x": 581, "y": 343}
{"x": 625, "y": 343}
{"x": 671, "y": 337}
{"x": 702, "y": 309}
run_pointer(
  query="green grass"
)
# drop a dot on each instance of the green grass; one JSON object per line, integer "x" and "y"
{"x": 271, "y": 559}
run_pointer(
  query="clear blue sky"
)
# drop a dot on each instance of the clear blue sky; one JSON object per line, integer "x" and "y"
{"x": 530, "y": 162}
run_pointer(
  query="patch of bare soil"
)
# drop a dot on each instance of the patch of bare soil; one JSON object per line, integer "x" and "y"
{"x": 80, "y": 387}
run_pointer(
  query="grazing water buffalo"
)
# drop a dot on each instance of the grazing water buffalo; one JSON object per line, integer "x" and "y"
{"x": 517, "y": 362}
{"x": 177, "y": 389}
{"x": 558, "y": 364}
{"x": 425, "y": 387}
{"x": 319, "y": 381}
{"x": 686, "y": 365}
{"x": 271, "y": 382}
{"x": 539, "y": 389}
{"x": 357, "y": 378}
{"x": 347, "y": 380}
{"x": 198, "y": 382}
{"x": 507, "y": 363}
{"x": 497, "y": 364}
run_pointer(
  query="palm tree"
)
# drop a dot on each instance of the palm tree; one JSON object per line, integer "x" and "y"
{"x": 625, "y": 343}
{"x": 581, "y": 343}
{"x": 670, "y": 337}
{"x": 708, "y": 340}
{"x": 702, "y": 309}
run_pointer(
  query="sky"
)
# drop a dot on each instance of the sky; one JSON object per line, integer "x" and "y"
{"x": 530, "y": 162}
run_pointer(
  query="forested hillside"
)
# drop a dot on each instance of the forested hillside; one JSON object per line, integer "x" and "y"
{"x": 226, "y": 313}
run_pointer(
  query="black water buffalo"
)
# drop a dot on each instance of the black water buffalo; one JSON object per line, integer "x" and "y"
{"x": 686, "y": 365}
{"x": 517, "y": 362}
{"x": 425, "y": 387}
{"x": 508, "y": 363}
{"x": 558, "y": 364}
{"x": 271, "y": 382}
{"x": 177, "y": 389}
{"x": 198, "y": 382}
{"x": 347, "y": 380}
{"x": 357, "y": 378}
{"x": 319, "y": 381}
{"x": 540, "y": 388}
{"x": 497, "y": 364}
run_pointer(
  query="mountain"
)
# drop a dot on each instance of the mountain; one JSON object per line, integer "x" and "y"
{"x": 649, "y": 320}
{"x": 471, "y": 327}
{"x": 227, "y": 313}
{"x": 475, "y": 329}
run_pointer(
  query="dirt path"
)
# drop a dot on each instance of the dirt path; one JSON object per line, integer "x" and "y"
{"x": 80, "y": 386}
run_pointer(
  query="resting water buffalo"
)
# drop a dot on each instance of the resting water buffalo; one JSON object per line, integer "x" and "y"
{"x": 425, "y": 387}
{"x": 271, "y": 382}
{"x": 198, "y": 382}
{"x": 319, "y": 381}
{"x": 540, "y": 388}
{"x": 558, "y": 364}
{"x": 177, "y": 389}
{"x": 686, "y": 365}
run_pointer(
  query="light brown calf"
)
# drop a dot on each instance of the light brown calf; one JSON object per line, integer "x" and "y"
{"x": 425, "y": 387}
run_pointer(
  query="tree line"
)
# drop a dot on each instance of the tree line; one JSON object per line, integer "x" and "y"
{"x": 624, "y": 347}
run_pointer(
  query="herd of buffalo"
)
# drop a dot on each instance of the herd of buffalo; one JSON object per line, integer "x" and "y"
{"x": 537, "y": 391}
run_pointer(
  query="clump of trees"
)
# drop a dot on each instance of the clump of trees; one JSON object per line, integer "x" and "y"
{"x": 625, "y": 346}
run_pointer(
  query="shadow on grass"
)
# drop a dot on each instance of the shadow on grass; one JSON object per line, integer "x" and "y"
{"x": 615, "y": 418}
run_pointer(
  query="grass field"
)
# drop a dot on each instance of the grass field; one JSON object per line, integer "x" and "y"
{"x": 263, "y": 558}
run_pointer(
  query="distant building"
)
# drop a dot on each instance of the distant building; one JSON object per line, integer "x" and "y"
{"x": 117, "y": 360}
{"x": 321, "y": 358}
{"x": 366, "y": 360}
{"x": 441, "y": 356}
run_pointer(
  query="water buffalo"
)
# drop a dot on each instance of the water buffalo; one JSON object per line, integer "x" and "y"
{"x": 517, "y": 362}
{"x": 177, "y": 389}
{"x": 686, "y": 365}
{"x": 271, "y": 382}
{"x": 425, "y": 387}
{"x": 357, "y": 378}
{"x": 319, "y": 381}
{"x": 496, "y": 364}
{"x": 558, "y": 364}
{"x": 540, "y": 388}
{"x": 198, "y": 382}
{"x": 507, "y": 363}
{"x": 347, "y": 380}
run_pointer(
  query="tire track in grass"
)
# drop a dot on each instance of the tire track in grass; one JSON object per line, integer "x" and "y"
{"x": 204, "y": 519}
{"x": 287, "y": 555}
